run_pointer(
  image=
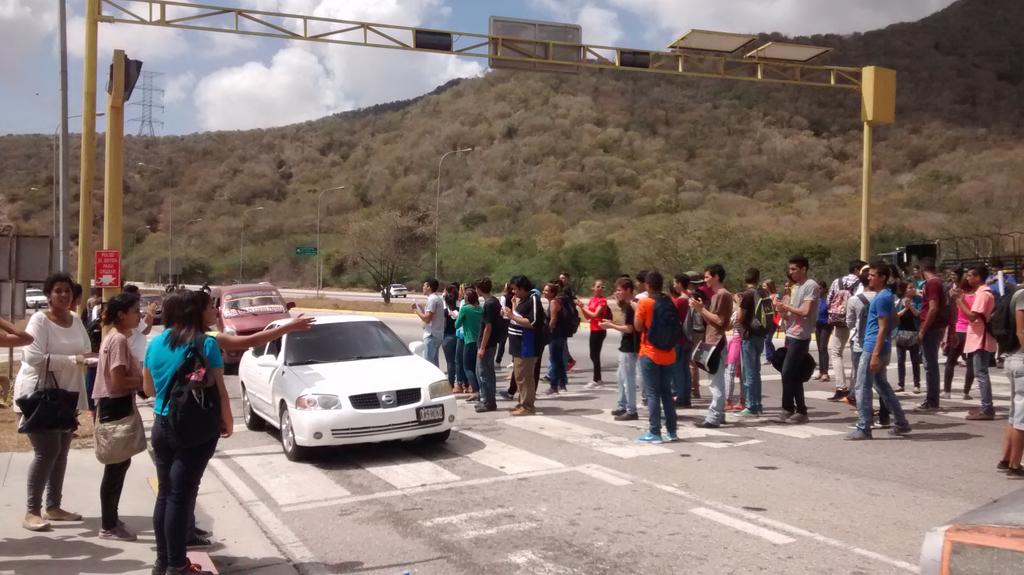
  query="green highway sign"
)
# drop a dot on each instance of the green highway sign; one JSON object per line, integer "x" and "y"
{"x": 305, "y": 251}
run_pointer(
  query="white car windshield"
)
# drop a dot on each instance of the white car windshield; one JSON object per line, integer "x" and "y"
{"x": 338, "y": 342}
{"x": 253, "y": 302}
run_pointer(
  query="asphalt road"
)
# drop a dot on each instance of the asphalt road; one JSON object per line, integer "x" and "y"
{"x": 568, "y": 491}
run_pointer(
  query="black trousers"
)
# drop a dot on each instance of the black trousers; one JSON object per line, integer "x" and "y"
{"x": 112, "y": 409}
{"x": 596, "y": 343}
{"x": 793, "y": 376}
{"x": 954, "y": 349}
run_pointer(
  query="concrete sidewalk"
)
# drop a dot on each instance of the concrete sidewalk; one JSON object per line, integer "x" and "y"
{"x": 240, "y": 547}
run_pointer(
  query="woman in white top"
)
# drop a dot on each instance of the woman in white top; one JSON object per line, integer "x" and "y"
{"x": 59, "y": 335}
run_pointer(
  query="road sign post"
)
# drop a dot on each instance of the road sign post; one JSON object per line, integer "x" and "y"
{"x": 108, "y": 269}
{"x": 305, "y": 251}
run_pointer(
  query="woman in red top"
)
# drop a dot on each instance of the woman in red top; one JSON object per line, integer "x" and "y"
{"x": 595, "y": 311}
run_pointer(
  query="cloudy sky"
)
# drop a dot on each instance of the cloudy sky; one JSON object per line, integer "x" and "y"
{"x": 224, "y": 82}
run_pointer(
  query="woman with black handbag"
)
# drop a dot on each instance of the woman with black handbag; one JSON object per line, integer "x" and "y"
{"x": 48, "y": 392}
{"x": 184, "y": 374}
{"x": 119, "y": 432}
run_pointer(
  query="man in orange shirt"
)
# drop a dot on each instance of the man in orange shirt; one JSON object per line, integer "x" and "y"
{"x": 657, "y": 322}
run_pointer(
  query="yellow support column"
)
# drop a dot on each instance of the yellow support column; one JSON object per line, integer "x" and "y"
{"x": 878, "y": 106}
{"x": 113, "y": 193}
{"x": 865, "y": 201}
{"x": 88, "y": 151}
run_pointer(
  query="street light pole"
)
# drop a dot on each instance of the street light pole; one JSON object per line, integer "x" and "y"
{"x": 64, "y": 245}
{"x": 437, "y": 201}
{"x": 319, "y": 257}
{"x": 135, "y": 242}
{"x": 241, "y": 243}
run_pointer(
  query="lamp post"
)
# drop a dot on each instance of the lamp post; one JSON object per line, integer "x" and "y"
{"x": 437, "y": 201}
{"x": 59, "y": 230}
{"x": 241, "y": 242}
{"x": 134, "y": 241}
{"x": 319, "y": 256}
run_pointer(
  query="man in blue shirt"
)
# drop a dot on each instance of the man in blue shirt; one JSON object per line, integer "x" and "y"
{"x": 877, "y": 351}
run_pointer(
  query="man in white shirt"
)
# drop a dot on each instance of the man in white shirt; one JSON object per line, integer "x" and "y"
{"x": 432, "y": 316}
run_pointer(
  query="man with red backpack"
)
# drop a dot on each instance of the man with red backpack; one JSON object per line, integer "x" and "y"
{"x": 839, "y": 294}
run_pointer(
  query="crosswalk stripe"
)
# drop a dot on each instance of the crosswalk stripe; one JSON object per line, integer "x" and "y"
{"x": 556, "y": 428}
{"x": 684, "y": 431}
{"x": 799, "y": 431}
{"x": 499, "y": 455}
{"x": 744, "y": 526}
{"x": 408, "y": 470}
{"x": 289, "y": 483}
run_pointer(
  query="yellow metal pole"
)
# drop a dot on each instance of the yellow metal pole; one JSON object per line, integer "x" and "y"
{"x": 88, "y": 151}
{"x": 865, "y": 207}
{"x": 113, "y": 207}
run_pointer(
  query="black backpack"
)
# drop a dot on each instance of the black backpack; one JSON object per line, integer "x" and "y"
{"x": 193, "y": 401}
{"x": 568, "y": 317}
{"x": 1003, "y": 322}
{"x": 665, "y": 329}
{"x": 95, "y": 330}
{"x": 762, "y": 322}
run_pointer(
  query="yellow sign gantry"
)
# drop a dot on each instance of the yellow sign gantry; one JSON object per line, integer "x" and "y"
{"x": 877, "y": 86}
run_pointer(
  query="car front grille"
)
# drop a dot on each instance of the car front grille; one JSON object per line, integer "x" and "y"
{"x": 344, "y": 432}
{"x": 375, "y": 400}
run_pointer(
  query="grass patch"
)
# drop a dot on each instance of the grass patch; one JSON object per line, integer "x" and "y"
{"x": 400, "y": 306}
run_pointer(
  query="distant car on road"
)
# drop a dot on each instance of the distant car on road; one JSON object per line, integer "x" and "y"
{"x": 398, "y": 290}
{"x": 35, "y": 299}
{"x": 989, "y": 540}
{"x": 348, "y": 380}
{"x": 148, "y": 298}
{"x": 245, "y": 309}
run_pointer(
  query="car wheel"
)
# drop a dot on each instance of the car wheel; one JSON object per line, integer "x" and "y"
{"x": 292, "y": 450}
{"x": 253, "y": 422}
{"x": 438, "y": 437}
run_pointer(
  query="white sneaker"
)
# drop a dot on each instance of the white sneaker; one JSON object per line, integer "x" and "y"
{"x": 593, "y": 385}
{"x": 947, "y": 395}
{"x": 509, "y": 366}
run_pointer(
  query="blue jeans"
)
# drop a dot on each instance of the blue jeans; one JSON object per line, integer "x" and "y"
{"x": 179, "y": 471}
{"x": 930, "y": 359}
{"x": 682, "y": 384}
{"x": 486, "y": 378}
{"x": 558, "y": 370}
{"x": 866, "y": 381}
{"x": 469, "y": 365}
{"x": 431, "y": 350}
{"x": 449, "y": 357}
{"x": 627, "y": 382}
{"x": 716, "y": 410}
{"x": 460, "y": 370}
{"x": 981, "y": 359}
{"x": 750, "y": 361}
{"x": 658, "y": 388}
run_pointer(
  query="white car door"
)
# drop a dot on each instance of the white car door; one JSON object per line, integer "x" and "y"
{"x": 262, "y": 388}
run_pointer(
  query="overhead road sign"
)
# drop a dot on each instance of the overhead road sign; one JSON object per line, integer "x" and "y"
{"x": 536, "y": 40}
{"x": 306, "y": 251}
{"x": 711, "y": 41}
{"x": 788, "y": 52}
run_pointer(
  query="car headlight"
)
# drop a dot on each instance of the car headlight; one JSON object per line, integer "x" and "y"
{"x": 314, "y": 401}
{"x": 440, "y": 389}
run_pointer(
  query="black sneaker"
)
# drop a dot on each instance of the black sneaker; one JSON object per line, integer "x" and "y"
{"x": 562, "y": 388}
{"x": 200, "y": 532}
{"x": 839, "y": 395}
{"x": 627, "y": 417}
{"x": 196, "y": 541}
{"x": 1003, "y": 465}
{"x": 617, "y": 412}
{"x": 883, "y": 423}
{"x": 703, "y": 424}
{"x": 190, "y": 568}
{"x": 1015, "y": 472}
{"x": 484, "y": 407}
{"x": 683, "y": 403}
{"x": 505, "y": 396}
{"x": 927, "y": 407}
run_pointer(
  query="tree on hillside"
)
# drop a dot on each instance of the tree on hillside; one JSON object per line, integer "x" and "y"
{"x": 386, "y": 245}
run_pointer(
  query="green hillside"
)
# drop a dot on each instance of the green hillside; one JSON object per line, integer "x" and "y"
{"x": 597, "y": 172}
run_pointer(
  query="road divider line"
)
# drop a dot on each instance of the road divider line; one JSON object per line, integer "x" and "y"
{"x": 773, "y": 537}
{"x": 590, "y": 438}
{"x": 499, "y": 455}
{"x": 275, "y": 529}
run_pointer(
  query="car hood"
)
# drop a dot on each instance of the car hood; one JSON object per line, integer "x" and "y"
{"x": 368, "y": 375}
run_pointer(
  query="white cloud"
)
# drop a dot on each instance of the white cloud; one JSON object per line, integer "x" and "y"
{"x": 178, "y": 87}
{"x": 600, "y": 26}
{"x": 306, "y": 81}
{"x": 146, "y": 43}
{"x": 25, "y": 26}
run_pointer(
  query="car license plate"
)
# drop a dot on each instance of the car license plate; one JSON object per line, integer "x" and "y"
{"x": 430, "y": 414}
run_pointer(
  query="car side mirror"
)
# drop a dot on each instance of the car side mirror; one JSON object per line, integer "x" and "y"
{"x": 416, "y": 348}
{"x": 290, "y": 305}
{"x": 268, "y": 361}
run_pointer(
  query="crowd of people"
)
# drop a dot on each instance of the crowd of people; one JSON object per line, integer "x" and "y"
{"x": 674, "y": 328}
{"x": 127, "y": 368}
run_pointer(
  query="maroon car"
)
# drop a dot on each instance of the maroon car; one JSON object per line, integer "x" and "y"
{"x": 247, "y": 309}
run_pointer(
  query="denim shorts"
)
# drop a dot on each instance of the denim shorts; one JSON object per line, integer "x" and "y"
{"x": 1015, "y": 371}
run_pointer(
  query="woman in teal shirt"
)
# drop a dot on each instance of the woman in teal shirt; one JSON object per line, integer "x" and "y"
{"x": 470, "y": 320}
{"x": 180, "y": 467}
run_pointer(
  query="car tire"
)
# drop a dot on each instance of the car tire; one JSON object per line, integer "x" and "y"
{"x": 438, "y": 437}
{"x": 292, "y": 450}
{"x": 253, "y": 422}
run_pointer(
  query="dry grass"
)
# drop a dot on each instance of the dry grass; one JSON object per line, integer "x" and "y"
{"x": 11, "y": 440}
{"x": 399, "y": 306}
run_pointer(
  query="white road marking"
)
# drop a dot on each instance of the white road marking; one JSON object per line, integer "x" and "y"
{"x": 289, "y": 483}
{"x": 799, "y": 431}
{"x": 555, "y": 428}
{"x": 462, "y": 518}
{"x": 744, "y": 526}
{"x": 519, "y": 526}
{"x": 818, "y": 394}
{"x": 530, "y": 562}
{"x": 276, "y": 530}
{"x": 684, "y": 431}
{"x": 603, "y": 474}
{"x": 723, "y": 444}
{"x": 499, "y": 455}
{"x": 408, "y": 470}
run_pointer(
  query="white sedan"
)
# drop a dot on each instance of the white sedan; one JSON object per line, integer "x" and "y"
{"x": 348, "y": 380}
